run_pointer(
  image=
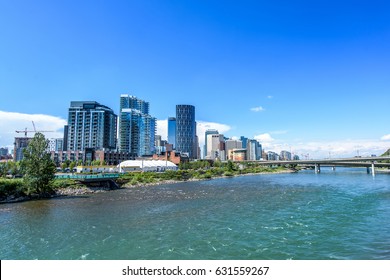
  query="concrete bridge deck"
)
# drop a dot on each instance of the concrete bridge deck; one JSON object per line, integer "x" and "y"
{"x": 376, "y": 160}
{"x": 369, "y": 162}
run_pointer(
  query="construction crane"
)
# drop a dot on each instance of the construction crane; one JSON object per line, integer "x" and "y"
{"x": 25, "y": 131}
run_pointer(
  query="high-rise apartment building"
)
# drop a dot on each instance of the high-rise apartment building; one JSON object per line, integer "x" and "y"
{"x": 186, "y": 130}
{"x": 90, "y": 125}
{"x": 137, "y": 129}
{"x": 172, "y": 131}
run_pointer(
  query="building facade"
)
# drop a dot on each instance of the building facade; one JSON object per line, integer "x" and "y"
{"x": 4, "y": 151}
{"x": 137, "y": 129}
{"x": 206, "y": 150}
{"x": 160, "y": 144}
{"x": 109, "y": 157}
{"x": 237, "y": 154}
{"x": 90, "y": 125}
{"x": 172, "y": 131}
{"x": 19, "y": 145}
{"x": 231, "y": 144}
{"x": 272, "y": 156}
{"x": 254, "y": 150}
{"x": 186, "y": 130}
{"x": 244, "y": 142}
{"x": 56, "y": 144}
{"x": 285, "y": 155}
{"x": 216, "y": 147}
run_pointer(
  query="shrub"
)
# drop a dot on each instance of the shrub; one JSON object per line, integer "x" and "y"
{"x": 10, "y": 187}
{"x": 228, "y": 174}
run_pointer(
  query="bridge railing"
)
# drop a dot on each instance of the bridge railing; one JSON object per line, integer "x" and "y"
{"x": 87, "y": 176}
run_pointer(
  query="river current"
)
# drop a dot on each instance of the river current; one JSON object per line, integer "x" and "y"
{"x": 342, "y": 214}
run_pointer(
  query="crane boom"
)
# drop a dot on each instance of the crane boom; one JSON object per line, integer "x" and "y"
{"x": 25, "y": 131}
{"x": 34, "y": 126}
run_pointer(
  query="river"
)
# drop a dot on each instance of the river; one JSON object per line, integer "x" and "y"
{"x": 342, "y": 214}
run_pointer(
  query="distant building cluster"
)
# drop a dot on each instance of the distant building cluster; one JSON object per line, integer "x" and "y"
{"x": 94, "y": 132}
{"x": 4, "y": 154}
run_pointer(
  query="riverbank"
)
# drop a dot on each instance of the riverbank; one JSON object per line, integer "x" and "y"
{"x": 135, "y": 180}
{"x": 88, "y": 190}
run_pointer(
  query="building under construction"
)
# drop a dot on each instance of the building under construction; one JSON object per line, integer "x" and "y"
{"x": 20, "y": 144}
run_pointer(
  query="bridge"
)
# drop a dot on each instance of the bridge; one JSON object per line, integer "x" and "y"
{"x": 368, "y": 162}
{"x": 88, "y": 177}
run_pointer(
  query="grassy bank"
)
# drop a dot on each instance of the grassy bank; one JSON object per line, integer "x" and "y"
{"x": 146, "y": 178}
{"x": 12, "y": 190}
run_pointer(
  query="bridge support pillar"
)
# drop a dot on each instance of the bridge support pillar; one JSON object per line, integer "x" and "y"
{"x": 317, "y": 168}
{"x": 373, "y": 168}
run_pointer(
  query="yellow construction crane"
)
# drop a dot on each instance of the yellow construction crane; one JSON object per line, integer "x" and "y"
{"x": 35, "y": 130}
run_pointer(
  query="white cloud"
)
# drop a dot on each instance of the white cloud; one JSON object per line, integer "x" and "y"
{"x": 270, "y": 97}
{"x": 162, "y": 129}
{"x": 203, "y": 126}
{"x": 257, "y": 109}
{"x": 325, "y": 149}
{"x": 12, "y": 121}
{"x": 386, "y": 137}
{"x": 264, "y": 138}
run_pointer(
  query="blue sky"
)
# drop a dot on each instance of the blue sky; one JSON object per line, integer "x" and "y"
{"x": 308, "y": 76}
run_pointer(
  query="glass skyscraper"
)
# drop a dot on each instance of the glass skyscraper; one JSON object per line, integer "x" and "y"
{"x": 90, "y": 125}
{"x": 172, "y": 131}
{"x": 137, "y": 129}
{"x": 186, "y": 130}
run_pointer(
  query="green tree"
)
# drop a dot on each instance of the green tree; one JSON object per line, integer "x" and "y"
{"x": 72, "y": 165}
{"x": 64, "y": 166}
{"x": 230, "y": 166}
{"x": 387, "y": 153}
{"x": 14, "y": 168}
{"x": 3, "y": 169}
{"x": 38, "y": 167}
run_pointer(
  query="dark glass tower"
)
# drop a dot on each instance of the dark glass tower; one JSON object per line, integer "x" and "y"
{"x": 186, "y": 130}
{"x": 172, "y": 131}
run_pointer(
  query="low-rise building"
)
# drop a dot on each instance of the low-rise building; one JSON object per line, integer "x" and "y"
{"x": 146, "y": 166}
{"x": 237, "y": 154}
{"x": 88, "y": 155}
{"x": 172, "y": 156}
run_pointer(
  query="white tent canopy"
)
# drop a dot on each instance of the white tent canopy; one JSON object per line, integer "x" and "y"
{"x": 146, "y": 165}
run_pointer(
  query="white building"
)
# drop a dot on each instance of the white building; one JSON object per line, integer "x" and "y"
{"x": 56, "y": 144}
{"x": 146, "y": 165}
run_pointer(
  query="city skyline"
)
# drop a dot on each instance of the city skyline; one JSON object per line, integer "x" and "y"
{"x": 306, "y": 77}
